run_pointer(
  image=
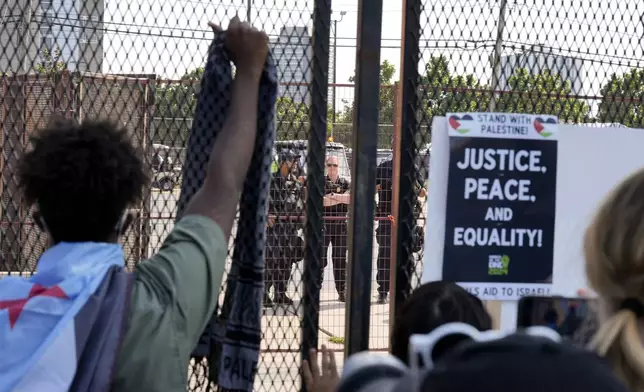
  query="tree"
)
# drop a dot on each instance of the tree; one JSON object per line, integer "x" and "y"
{"x": 179, "y": 99}
{"x": 176, "y": 104}
{"x": 194, "y": 75}
{"x": 293, "y": 119}
{"x": 387, "y": 97}
{"x": 542, "y": 93}
{"x": 443, "y": 92}
{"x": 51, "y": 62}
{"x": 385, "y": 113}
{"x": 622, "y": 99}
{"x": 289, "y": 111}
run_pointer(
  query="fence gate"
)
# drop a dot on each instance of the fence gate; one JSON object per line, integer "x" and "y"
{"x": 140, "y": 66}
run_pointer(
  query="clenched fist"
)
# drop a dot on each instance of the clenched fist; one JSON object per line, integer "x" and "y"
{"x": 248, "y": 47}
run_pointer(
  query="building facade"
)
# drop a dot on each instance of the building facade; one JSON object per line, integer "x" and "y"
{"x": 293, "y": 53}
{"x": 537, "y": 60}
{"x": 70, "y": 30}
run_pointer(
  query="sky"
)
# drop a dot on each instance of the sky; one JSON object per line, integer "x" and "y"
{"x": 169, "y": 38}
{"x": 156, "y": 28}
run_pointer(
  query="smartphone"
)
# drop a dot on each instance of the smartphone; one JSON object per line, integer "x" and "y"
{"x": 564, "y": 315}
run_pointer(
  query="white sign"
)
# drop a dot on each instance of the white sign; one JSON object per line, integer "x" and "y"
{"x": 502, "y": 125}
{"x": 591, "y": 161}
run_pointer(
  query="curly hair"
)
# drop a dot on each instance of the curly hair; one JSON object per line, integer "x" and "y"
{"x": 82, "y": 177}
{"x": 431, "y": 305}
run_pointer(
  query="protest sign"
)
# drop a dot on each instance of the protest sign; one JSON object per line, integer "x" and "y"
{"x": 591, "y": 159}
{"x": 501, "y": 198}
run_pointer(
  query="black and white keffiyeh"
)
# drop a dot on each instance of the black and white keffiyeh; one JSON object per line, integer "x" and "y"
{"x": 232, "y": 339}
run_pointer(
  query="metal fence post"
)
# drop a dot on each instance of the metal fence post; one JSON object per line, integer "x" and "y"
{"x": 407, "y": 154}
{"x": 365, "y": 142}
{"x": 315, "y": 176}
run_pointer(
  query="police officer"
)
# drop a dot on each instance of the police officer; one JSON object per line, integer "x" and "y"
{"x": 336, "y": 205}
{"x": 284, "y": 246}
{"x": 384, "y": 187}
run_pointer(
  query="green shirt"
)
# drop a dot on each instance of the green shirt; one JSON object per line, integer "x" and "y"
{"x": 173, "y": 297}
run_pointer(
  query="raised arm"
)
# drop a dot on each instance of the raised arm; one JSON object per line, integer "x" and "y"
{"x": 233, "y": 149}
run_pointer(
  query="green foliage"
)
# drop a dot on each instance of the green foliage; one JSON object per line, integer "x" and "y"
{"x": 387, "y": 97}
{"x": 176, "y": 100}
{"x": 51, "y": 62}
{"x": 293, "y": 119}
{"x": 622, "y": 99}
{"x": 444, "y": 92}
{"x": 179, "y": 99}
{"x": 194, "y": 75}
{"x": 542, "y": 93}
{"x": 289, "y": 111}
{"x": 344, "y": 119}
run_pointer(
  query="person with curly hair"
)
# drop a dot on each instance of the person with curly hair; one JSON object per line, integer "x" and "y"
{"x": 81, "y": 322}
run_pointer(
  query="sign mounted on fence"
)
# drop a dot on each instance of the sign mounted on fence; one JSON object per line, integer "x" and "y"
{"x": 500, "y": 209}
{"x": 589, "y": 160}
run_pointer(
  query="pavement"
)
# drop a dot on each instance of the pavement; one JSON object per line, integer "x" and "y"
{"x": 280, "y": 358}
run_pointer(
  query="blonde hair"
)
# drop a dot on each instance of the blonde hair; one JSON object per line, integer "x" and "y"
{"x": 614, "y": 253}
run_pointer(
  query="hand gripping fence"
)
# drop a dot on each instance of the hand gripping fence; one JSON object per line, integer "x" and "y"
{"x": 235, "y": 333}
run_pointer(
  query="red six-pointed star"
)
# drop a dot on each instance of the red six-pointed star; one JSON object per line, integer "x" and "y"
{"x": 15, "y": 306}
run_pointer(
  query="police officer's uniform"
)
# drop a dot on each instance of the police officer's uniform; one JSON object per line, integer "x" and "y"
{"x": 335, "y": 233}
{"x": 385, "y": 181}
{"x": 284, "y": 246}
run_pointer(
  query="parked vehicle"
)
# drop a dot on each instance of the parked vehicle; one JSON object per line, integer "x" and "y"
{"x": 384, "y": 154}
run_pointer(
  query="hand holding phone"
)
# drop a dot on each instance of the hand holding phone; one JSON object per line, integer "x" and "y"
{"x": 564, "y": 315}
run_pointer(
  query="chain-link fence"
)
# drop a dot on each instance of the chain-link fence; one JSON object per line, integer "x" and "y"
{"x": 580, "y": 61}
{"x": 95, "y": 59}
{"x": 140, "y": 65}
{"x": 28, "y": 101}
